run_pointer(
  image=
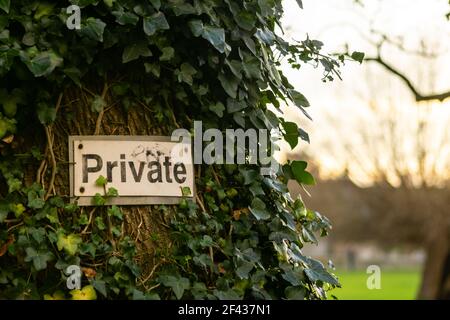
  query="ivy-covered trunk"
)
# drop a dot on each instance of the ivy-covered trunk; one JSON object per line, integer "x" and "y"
{"x": 145, "y": 225}
{"x": 146, "y": 68}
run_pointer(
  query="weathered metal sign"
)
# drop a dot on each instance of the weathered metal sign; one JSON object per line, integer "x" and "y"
{"x": 143, "y": 169}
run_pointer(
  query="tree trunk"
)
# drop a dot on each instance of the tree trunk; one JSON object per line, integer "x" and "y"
{"x": 144, "y": 224}
{"x": 436, "y": 272}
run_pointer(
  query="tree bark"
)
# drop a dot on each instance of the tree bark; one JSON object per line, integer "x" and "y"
{"x": 146, "y": 225}
{"x": 436, "y": 272}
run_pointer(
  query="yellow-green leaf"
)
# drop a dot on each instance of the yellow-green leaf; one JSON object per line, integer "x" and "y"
{"x": 58, "y": 295}
{"x": 69, "y": 243}
{"x": 86, "y": 293}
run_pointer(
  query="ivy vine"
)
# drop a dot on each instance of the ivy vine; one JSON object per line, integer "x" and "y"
{"x": 178, "y": 60}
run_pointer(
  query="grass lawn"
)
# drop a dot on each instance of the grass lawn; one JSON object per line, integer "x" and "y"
{"x": 395, "y": 285}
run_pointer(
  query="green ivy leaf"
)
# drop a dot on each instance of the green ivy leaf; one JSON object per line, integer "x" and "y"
{"x": 258, "y": 209}
{"x": 112, "y": 192}
{"x": 86, "y": 293}
{"x": 134, "y": 51}
{"x": 185, "y": 73}
{"x": 235, "y": 105}
{"x": 167, "y": 54}
{"x": 38, "y": 234}
{"x": 46, "y": 114}
{"x": 94, "y": 29}
{"x": 35, "y": 199}
{"x": 243, "y": 269}
{"x": 109, "y": 3}
{"x": 291, "y": 133}
{"x": 229, "y": 84}
{"x": 156, "y": 4}
{"x": 43, "y": 63}
{"x": 99, "y": 200}
{"x": 306, "y": 178}
{"x": 295, "y": 293}
{"x": 100, "y": 224}
{"x": 69, "y": 243}
{"x": 177, "y": 283}
{"x": 256, "y": 190}
{"x": 98, "y": 104}
{"x": 186, "y": 191}
{"x": 10, "y": 101}
{"x": 358, "y": 56}
{"x": 7, "y": 125}
{"x": 14, "y": 184}
{"x": 154, "y": 23}
{"x": 115, "y": 211}
{"x": 18, "y": 209}
{"x": 249, "y": 175}
{"x": 303, "y": 135}
{"x": 308, "y": 235}
{"x": 298, "y": 166}
{"x": 246, "y": 20}
{"x": 215, "y": 36}
{"x": 229, "y": 294}
{"x": 153, "y": 68}
{"x": 4, "y": 5}
{"x": 217, "y": 108}
{"x": 43, "y": 9}
{"x": 294, "y": 278}
{"x": 196, "y": 27}
{"x": 101, "y": 181}
{"x": 317, "y": 272}
{"x": 39, "y": 258}
{"x": 100, "y": 286}
{"x": 299, "y": 99}
{"x": 127, "y": 18}
{"x": 182, "y": 8}
{"x": 302, "y": 176}
{"x": 238, "y": 117}
{"x": 83, "y": 220}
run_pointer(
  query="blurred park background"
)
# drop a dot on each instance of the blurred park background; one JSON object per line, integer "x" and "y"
{"x": 380, "y": 142}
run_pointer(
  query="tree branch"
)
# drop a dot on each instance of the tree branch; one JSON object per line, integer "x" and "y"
{"x": 417, "y": 95}
{"x": 49, "y": 136}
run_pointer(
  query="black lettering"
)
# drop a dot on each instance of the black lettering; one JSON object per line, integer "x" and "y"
{"x": 109, "y": 167}
{"x": 167, "y": 165}
{"x": 137, "y": 176}
{"x": 123, "y": 170}
{"x": 179, "y": 168}
{"x": 157, "y": 170}
{"x": 86, "y": 170}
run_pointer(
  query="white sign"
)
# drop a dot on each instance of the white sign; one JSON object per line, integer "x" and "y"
{"x": 143, "y": 169}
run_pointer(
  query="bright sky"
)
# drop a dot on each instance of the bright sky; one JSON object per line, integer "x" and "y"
{"x": 351, "y": 117}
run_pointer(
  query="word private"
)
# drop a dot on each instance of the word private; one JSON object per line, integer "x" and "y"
{"x": 141, "y": 168}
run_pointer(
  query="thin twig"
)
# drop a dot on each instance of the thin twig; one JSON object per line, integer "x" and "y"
{"x": 139, "y": 226}
{"x": 151, "y": 272}
{"x": 215, "y": 176}
{"x": 52, "y": 157}
{"x": 14, "y": 226}
{"x": 91, "y": 214}
{"x": 211, "y": 254}
{"x": 154, "y": 287}
{"x": 41, "y": 166}
{"x": 200, "y": 202}
{"x": 50, "y": 149}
